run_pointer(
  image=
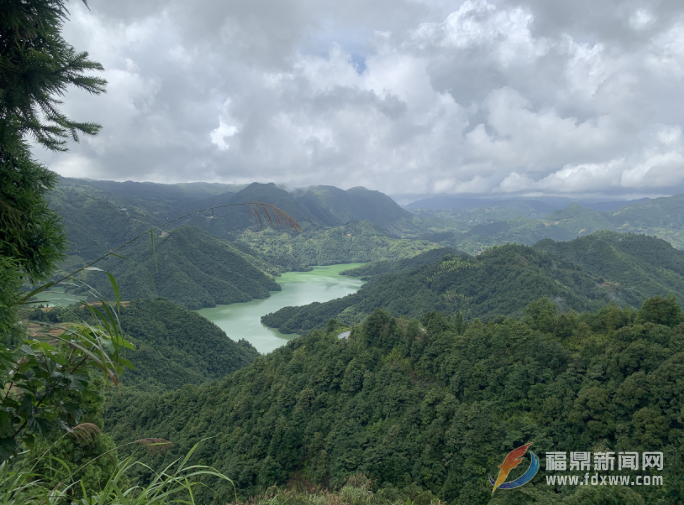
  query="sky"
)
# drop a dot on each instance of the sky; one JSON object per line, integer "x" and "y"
{"x": 410, "y": 97}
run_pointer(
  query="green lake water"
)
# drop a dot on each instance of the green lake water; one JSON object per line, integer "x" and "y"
{"x": 243, "y": 320}
{"x": 55, "y": 297}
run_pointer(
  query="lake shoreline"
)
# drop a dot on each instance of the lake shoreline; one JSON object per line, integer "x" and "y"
{"x": 243, "y": 320}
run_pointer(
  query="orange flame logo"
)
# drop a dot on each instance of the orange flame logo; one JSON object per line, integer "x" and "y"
{"x": 513, "y": 459}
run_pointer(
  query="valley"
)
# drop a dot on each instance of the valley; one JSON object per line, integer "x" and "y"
{"x": 243, "y": 320}
{"x": 441, "y": 261}
{"x": 236, "y": 330}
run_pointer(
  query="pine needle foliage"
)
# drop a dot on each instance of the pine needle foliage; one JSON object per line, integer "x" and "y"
{"x": 36, "y": 67}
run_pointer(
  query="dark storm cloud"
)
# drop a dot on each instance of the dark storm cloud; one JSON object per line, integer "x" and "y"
{"x": 512, "y": 96}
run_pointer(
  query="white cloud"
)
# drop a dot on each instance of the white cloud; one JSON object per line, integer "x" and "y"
{"x": 402, "y": 96}
{"x": 219, "y": 135}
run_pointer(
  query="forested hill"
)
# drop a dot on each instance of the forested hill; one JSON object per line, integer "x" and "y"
{"x": 335, "y": 207}
{"x": 96, "y": 221}
{"x": 516, "y": 222}
{"x": 173, "y": 346}
{"x": 355, "y": 242}
{"x": 376, "y": 268}
{"x": 578, "y": 275}
{"x": 188, "y": 267}
{"x": 638, "y": 263}
{"x": 501, "y": 280}
{"x": 99, "y": 215}
{"x": 437, "y": 404}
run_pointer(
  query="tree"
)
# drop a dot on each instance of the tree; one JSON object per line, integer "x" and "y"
{"x": 43, "y": 383}
{"x": 660, "y": 310}
{"x": 36, "y": 67}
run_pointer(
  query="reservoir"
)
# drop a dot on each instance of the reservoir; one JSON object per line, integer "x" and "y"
{"x": 56, "y": 297}
{"x": 243, "y": 320}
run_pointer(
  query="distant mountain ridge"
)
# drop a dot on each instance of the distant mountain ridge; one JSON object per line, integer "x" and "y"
{"x": 658, "y": 217}
{"x": 545, "y": 204}
{"x": 336, "y": 207}
{"x": 99, "y": 215}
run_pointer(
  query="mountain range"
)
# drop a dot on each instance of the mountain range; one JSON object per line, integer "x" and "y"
{"x": 487, "y": 226}
{"x": 458, "y": 349}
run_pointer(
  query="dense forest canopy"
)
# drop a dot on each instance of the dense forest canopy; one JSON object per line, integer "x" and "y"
{"x": 437, "y": 402}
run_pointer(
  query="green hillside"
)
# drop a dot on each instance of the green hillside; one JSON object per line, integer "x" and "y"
{"x": 355, "y": 242}
{"x": 603, "y": 267}
{"x": 163, "y": 200}
{"x": 188, "y": 267}
{"x": 560, "y": 225}
{"x": 334, "y": 207}
{"x": 659, "y": 217}
{"x": 634, "y": 266}
{"x": 436, "y": 405}
{"x": 224, "y": 223}
{"x": 95, "y": 221}
{"x": 502, "y": 280}
{"x": 370, "y": 270}
{"x": 487, "y": 211}
{"x": 173, "y": 346}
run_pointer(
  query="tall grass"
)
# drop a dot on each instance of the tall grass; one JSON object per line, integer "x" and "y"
{"x": 174, "y": 485}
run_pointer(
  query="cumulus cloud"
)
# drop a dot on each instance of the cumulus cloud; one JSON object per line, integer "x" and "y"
{"x": 484, "y": 97}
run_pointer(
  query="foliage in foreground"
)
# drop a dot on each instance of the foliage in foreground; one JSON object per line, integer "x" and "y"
{"x": 360, "y": 490}
{"x": 437, "y": 403}
{"x": 173, "y": 346}
{"x": 176, "y": 483}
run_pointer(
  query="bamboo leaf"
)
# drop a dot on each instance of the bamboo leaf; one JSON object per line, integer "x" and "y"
{"x": 154, "y": 253}
{"x": 115, "y": 287}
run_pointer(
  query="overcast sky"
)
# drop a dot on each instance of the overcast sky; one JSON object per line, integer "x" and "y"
{"x": 506, "y": 97}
